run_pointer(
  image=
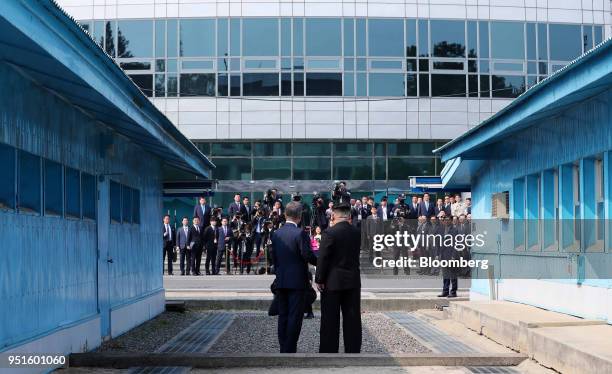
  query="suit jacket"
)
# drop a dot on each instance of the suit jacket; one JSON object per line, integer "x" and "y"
{"x": 291, "y": 254}
{"x": 169, "y": 240}
{"x": 438, "y": 209}
{"x": 338, "y": 262}
{"x": 380, "y": 213}
{"x": 182, "y": 239}
{"x": 221, "y": 237}
{"x": 247, "y": 212}
{"x": 236, "y": 207}
{"x": 426, "y": 211}
{"x": 203, "y": 216}
{"x": 447, "y": 209}
{"x": 413, "y": 211}
{"x": 196, "y": 241}
{"x": 209, "y": 236}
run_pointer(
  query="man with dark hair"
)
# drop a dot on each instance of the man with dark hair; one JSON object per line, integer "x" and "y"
{"x": 203, "y": 212}
{"x": 211, "y": 237}
{"x": 236, "y": 207}
{"x": 196, "y": 245}
{"x": 169, "y": 243}
{"x": 291, "y": 255}
{"x": 339, "y": 281}
{"x": 426, "y": 207}
{"x": 183, "y": 238}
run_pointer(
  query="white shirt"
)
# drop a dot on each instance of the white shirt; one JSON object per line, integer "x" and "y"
{"x": 291, "y": 222}
{"x": 384, "y": 212}
{"x": 169, "y": 231}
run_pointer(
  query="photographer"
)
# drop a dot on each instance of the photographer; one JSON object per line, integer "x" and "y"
{"x": 319, "y": 217}
{"x": 341, "y": 194}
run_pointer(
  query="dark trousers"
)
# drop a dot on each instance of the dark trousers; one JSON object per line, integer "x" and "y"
{"x": 449, "y": 283}
{"x": 185, "y": 258}
{"x": 167, "y": 253}
{"x": 332, "y": 302}
{"x": 246, "y": 256}
{"x": 397, "y": 253}
{"x": 258, "y": 240}
{"x": 290, "y": 317}
{"x": 220, "y": 253}
{"x": 196, "y": 260}
{"x": 211, "y": 258}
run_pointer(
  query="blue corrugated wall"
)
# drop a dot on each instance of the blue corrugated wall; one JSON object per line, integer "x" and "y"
{"x": 48, "y": 266}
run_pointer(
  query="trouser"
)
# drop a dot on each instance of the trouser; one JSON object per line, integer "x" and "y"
{"x": 236, "y": 247}
{"x": 397, "y": 252}
{"x": 220, "y": 253}
{"x": 258, "y": 241}
{"x": 449, "y": 283}
{"x": 185, "y": 258}
{"x": 196, "y": 260}
{"x": 167, "y": 253}
{"x": 332, "y": 302}
{"x": 290, "y": 317}
{"x": 246, "y": 256}
{"x": 211, "y": 258}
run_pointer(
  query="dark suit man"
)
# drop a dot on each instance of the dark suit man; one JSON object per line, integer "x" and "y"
{"x": 224, "y": 240}
{"x": 210, "y": 239}
{"x": 183, "y": 238}
{"x": 169, "y": 242}
{"x": 258, "y": 224}
{"x": 236, "y": 207}
{"x": 439, "y": 208}
{"x": 197, "y": 246}
{"x": 247, "y": 210}
{"x": 203, "y": 212}
{"x": 383, "y": 211}
{"x": 413, "y": 209}
{"x": 291, "y": 255}
{"x": 339, "y": 281}
{"x": 426, "y": 207}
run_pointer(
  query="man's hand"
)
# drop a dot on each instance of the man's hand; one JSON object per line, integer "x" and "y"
{"x": 320, "y": 287}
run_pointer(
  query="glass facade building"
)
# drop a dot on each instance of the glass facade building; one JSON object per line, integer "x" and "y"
{"x": 298, "y": 94}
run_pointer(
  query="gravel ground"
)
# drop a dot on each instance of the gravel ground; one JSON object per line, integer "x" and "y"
{"x": 152, "y": 334}
{"x": 256, "y": 333}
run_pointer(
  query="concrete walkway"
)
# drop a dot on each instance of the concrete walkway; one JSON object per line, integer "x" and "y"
{"x": 562, "y": 342}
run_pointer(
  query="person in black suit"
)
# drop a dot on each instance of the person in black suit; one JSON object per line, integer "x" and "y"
{"x": 203, "y": 212}
{"x": 236, "y": 207}
{"x": 197, "y": 244}
{"x": 439, "y": 208}
{"x": 291, "y": 255}
{"x": 224, "y": 242}
{"x": 258, "y": 224}
{"x": 383, "y": 211}
{"x": 426, "y": 207}
{"x": 247, "y": 210}
{"x": 169, "y": 236}
{"x": 339, "y": 281}
{"x": 210, "y": 238}
{"x": 183, "y": 238}
{"x": 448, "y": 252}
{"x": 447, "y": 206}
{"x": 413, "y": 209}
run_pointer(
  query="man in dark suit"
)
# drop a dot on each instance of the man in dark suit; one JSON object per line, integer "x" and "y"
{"x": 439, "y": 208}
{"x": 291, "y": 255}
{"x": 210, "y": 238}
{"x": 203, "y": 212}
{"x": 413, "y": 209}
{"x": 247, "y": 211}
{"x": 447, "y": 206}
{"x": 339, "y": 281}
{"x": 383, "y": 211}
{"x": 236, "y": 207}
{"x": 426, "y": 207}
{"x": 169, "y": 242}
{"x": 183, "y": 238}
{"x": 224, "y": 240}
{"x": 197, "y": 244}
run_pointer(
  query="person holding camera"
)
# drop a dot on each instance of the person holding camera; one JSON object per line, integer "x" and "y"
{"x": 340, "y": 193}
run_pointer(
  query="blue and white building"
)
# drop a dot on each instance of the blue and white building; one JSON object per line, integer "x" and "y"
{"x": 297, "y": 94}
{"x": 83, "y": 154}
{"x": 540, "y": 171}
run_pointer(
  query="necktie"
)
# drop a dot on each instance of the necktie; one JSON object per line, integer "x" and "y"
{"x": 197, "y": 229}
{"x": 203, "y": 209}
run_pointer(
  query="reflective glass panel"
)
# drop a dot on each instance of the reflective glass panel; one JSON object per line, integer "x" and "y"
{"x": 411, "y": 85}
{"x": 126, "y": 204}
{"x": 271, "y": 168}
{"x": 324, "y": 84}
{"x": 349, "y": 37}
{"x": 423, "y": 38}
{"x": 260, "y": 37}
{"x": 298, "y": 84}
{"x": 360, "y": 36}
{"x": 160, "y": 38}
{"x": 222, "y": 37}
{"x": 386, "y": 84}
{"x": 172, "y": 34}
{"x": 7, "y": 182}
{"x": 380, "y": 168}
{"x": 197, "y": 84}
{"x": 385, "y": 37}
{"x": 411, "y": 38}
{"x": 232, "y": 168}
{"x": 483, "y": 33}
{"x": 135, "y": 206}
{"x": 531, "y": 41}
{"x": 235, "y": 36}
{"x": 29, "y": 182}
{"x": 565, "y": 42}
{"x": 508, "y": 86}
{"x": 135, "y": 39}
{"x": 115, "y": 202}
{"x": 450, "y": 85}
{"x": 260, "y": 84}
{"x": 73, "y": 192}
{"x": 353, "y": 168}
{"x": 88, "y": 195}
{"x": 298, "y": 37}
{"x": 352, "y": 149}
{"x": 197, "y": 37}
{"x": 285, "y": 36}
{"x": 312, "y": 168}
{"x": 403, "y": 168}
{"x": 448, "y": 38}
{"x": 286, "y": 84}
{"x": 54, "y": 193}
{"x": 507, "y": 40}
{"x": 411, "y": 148}
{"x": 472, "y": 29}
{"x": 323, "y": 37}
{"x": 542, "y": 42}
{"x": 272, "y": 149}
{"x": 231, "y": 149}
{"x": 311, "y": 149}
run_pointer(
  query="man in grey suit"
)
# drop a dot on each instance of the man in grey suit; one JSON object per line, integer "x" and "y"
{"x": 183, "y": 238}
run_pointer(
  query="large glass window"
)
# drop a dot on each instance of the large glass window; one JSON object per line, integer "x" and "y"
{"x": 198, "y": 84}
{"x": 134, "y": 38}
{"x": 88, "y": 195}
{"x": 231, "y": 149}
{"x": 126, "y": 204}
{"x": 311, "y": 149}
{"x": 448, "y": 38}
{"x": 73, "y": 192}
{"x": 29, "y": 182}
{"x": 353, "y": 168}
{"x": 324, "y": 84}
{"x": 135, "y": 206}
{"x": 312, "y": 168}
{"x": 54, "y": 196}
{"x": 260, "y": 37}
{"x": 451, "y": 85}
{"x": 507, "y": 40}
{"x": 565, "y": 42}
{"x": 197, "y": 37}
{"x": 352, "y": 149}
{"x": 271, "y": 168}
{"x": 232, "y": 168}
{"x": 387, "y": 84}
{"x": 386, "y": 37}
{"x": 403, "y": 168}
{"x": 508, "y": 86}
{"x": 115, "y": 202}
{"x": 410, "y": 149}
{"x": 272, "y": 149}
{"x": 260, "y": 84}
{"x": 7, "y": 182}
{"x": 323, "y": 37}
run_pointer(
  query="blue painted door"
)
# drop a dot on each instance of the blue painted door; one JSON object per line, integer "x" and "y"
{"x": 104, "y": 261}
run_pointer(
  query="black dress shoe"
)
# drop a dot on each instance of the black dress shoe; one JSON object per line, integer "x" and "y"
{"x": 452, "y": 295}
{"x": 443, "y": 295}
{"x": 309, "y": 316}
{"x": 182, "y": 273}
{"x": 208, "y": 273}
